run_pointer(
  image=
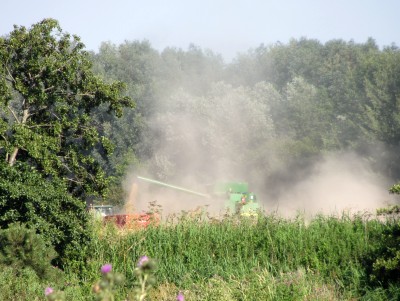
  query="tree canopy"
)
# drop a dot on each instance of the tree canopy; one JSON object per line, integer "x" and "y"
{"x": 49, "y": 133}
{"x": 48, "y": 92}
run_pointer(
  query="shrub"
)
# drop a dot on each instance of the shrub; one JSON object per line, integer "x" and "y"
{"x": 386, "y": 257}
{"x": 27, "y": 197}
{"x": 24, "y": 286}
{"x": 21, "y": 248}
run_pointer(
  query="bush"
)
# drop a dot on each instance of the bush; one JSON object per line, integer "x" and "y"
{"x": 21, "y": 248}
{"x": 44, "y": 204}
{"x": 385, "y": 267}
{"x": 20, "y": 284}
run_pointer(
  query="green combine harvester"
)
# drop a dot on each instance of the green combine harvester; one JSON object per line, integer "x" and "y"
{"x": 235, "y": 195}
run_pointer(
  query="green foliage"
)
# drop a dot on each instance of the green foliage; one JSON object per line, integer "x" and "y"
{"x": 107, "y": 287}
{"x": 388, "y": 211}
{"x": 22, "y": 284}
{"x": 144, "y": 272}
{"x": 274, "y": 107}
{"x": 231, "y": 248}
{"x": 48, "y": 94}
{"x": 263, "y": 285}
{"x": 22, "y": 248}
{"x": 395, "y": 189}
{"x": 305, "y": 119}
{"x": 382, "y": 89}
{"x": 384, "y": 259}
{"x": 230, "y": 259}
{"x": 104, "y": 288}
{"x": 316, "y": 98}
{"x": 27, "y": 197}
{"x": 48, "y": 134}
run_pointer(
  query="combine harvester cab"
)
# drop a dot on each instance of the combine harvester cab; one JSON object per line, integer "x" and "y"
{"x": 235, "y": 195}
{"x": 238, "y": 199}
{"x": 102, "y": 210}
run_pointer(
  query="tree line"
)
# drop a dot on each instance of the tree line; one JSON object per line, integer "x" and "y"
{"x": 271, "y": 109}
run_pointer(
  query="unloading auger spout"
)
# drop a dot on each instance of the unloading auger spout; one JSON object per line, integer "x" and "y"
{"x": 235, "y": 195}
{"x": 173, "y": 187}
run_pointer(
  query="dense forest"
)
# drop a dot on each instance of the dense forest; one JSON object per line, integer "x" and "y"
{"x": 266, "y": 117}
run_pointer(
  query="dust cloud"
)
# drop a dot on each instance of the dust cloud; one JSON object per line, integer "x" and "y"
{"x": 336, "y": 185}
{"x": 144, "y": 197}
{"x": 228, "y": 134}
{"x": 339, "y": 184}
{"x": 131, "y": 200}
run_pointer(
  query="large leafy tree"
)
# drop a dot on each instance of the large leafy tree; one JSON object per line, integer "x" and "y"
{"x": 48, "y": 133}
{"x": 47, "y": 92}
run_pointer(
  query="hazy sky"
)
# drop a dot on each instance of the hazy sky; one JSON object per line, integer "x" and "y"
{"x": 224, "y": 26}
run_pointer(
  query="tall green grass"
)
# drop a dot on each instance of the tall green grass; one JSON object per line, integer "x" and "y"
{"x": 330, "y": 250}
{"x": 235, "y": 247}
{"x": 270, "y": 258}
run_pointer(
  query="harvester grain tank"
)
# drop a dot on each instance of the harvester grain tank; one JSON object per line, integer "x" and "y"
{"x": 235, "y": 195}
{"x": 124, "y": 220}
{"x": 133, "y": 220}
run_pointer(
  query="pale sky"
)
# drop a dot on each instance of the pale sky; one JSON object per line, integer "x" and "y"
{"x": 224, "y": 26}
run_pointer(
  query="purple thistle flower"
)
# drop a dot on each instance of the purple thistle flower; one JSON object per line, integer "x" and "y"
{"x": 180, "y": 297}
{"x": 142, "y": 261}
{"x": 48, "y": 291}
{"x": 106, "y": 268}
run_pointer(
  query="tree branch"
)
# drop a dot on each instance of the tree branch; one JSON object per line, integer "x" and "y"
{"x": 13, "y": 156}
{"x": 15, "y": 116}
{"x": 9, "y": 73}
{"x": 40, "y": 126}
{"x": 74, "y": 181}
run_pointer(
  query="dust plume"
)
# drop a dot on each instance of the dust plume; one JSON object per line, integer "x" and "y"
{"x": 340, "y": 183}
{"x": 201, "y": 140}
{"x": 144, "y": 196}
{"x": 227, "y": 135}
{"x": 132, "y": 197}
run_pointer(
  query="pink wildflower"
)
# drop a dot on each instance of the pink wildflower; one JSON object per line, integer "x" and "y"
{"x": 180, "y": 297}
{"x": 142, "y": 261}
{"x": 48, "y": 291}
{"x": 106, "y": 268}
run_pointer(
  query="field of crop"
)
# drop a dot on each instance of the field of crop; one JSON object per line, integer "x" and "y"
{"x": 327, "y": 258}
